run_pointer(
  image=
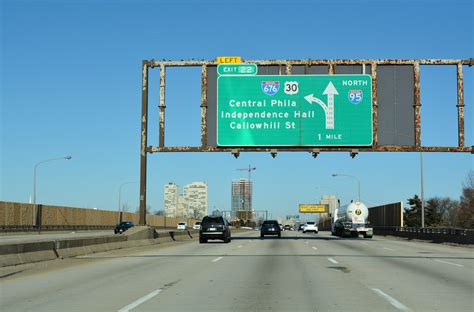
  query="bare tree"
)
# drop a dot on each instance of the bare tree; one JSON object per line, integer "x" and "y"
{"x": 465, "y": 213}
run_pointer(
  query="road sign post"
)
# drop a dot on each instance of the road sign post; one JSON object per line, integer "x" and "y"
{"x": 309, "y": 110}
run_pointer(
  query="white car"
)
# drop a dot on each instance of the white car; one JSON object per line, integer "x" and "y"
{"x": 197, "y": 225}
{"x": 182, "y": 225}
{"x": 310, "y": 226}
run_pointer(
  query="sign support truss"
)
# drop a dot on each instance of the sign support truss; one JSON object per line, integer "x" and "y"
{"x": 285, "y": 66}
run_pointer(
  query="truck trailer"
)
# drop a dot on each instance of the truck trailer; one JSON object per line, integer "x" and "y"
{"x": 351, "y": 220}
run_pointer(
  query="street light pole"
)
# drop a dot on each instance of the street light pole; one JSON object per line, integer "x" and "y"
{"x": 120, "y": 197}
{"x": 351, "y": 176}
{"x": 34, "y": 181}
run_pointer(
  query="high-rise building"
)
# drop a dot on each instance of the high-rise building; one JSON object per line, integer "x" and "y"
{"x": 171, "y": 199}
{"x": 195, "y": 198}
{"x": 181, "y": 208}
{"x": 241, "y": 196}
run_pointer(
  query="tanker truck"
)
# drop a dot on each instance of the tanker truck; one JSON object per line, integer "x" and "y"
{"x": 351, "y": 220}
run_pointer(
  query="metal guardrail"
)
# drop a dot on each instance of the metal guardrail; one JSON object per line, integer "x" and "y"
{"x": 436, "y": 235}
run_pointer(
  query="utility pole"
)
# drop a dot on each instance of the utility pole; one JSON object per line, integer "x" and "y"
{"x": 249, "y": 169}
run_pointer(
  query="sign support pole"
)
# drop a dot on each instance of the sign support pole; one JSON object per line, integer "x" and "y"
{"x": 143, "y": 148}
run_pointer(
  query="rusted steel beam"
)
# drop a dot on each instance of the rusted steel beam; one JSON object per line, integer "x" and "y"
{"x": 469, "y": 62}
{"x": 460, "y": 105}
{"x": 417, "y": 104}
{"x": 331, "y": 68}
{"x": 156, "y": 63}
{"x": 204, "y": 105}
{"x": 385, "y": 148}
{"x": 375, "y": 120}
{"x": 143, "y": 148}
{"x": 162, "y": 106}
{"x": 288, "y": 69}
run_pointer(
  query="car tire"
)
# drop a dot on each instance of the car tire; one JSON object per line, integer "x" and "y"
{"x": 279, "y": 235}
{"x": 304, "y": 232}
{"x": 261, "y": 235}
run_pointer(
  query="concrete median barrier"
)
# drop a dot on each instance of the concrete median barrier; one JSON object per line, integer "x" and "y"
{"x": 20, "y": 253}
{"x": 28, "y": 252}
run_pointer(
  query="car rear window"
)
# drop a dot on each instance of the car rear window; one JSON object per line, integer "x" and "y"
{"x": 309, "y": 222}
{"x": 275, "y": 223}
{"x": 208, "y": 220}
{"x": 181, "y": 223}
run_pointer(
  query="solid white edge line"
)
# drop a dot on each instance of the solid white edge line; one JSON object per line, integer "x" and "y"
{"x": 140, "y": 301}
{"x": 333, "y": 261}
{"x": 217, "y": 259}
{"x": 459, "y": 265}
{"x": 240, "y": 246}
{"x": 397, "y": 304}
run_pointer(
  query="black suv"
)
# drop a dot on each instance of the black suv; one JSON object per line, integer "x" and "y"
{"x": 270, "y": 227}
{"x": 123, "y": 226}
{"x": 214, "y": 227}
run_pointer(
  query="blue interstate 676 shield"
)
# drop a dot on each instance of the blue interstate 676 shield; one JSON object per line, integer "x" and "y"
{"x": 270, "y": 87}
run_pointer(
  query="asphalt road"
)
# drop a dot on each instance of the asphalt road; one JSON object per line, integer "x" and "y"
{"x": 299, "y": 272}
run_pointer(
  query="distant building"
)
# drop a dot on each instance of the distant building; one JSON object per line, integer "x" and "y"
{"x": 171, "y": 199}
{"x": 332, "y": 202}
{"x": 196, "y": 199}
{"x": 181, "y": 208}
{"x": 241, "y": 196}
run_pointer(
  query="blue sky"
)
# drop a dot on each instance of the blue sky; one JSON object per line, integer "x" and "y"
{"x": 71, "y": 81}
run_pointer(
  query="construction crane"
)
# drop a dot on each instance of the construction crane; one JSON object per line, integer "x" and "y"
{"x": 249, "y": 169}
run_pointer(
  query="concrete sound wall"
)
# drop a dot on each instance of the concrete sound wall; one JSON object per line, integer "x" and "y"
{"x": 12, "y": 213}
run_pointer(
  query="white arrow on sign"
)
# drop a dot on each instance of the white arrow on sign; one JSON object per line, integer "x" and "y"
{"x": 330, "y": 91}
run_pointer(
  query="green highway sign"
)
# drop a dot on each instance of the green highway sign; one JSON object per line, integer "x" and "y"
{"x": 307, "y": 110}
{"x": 236, "y": 69}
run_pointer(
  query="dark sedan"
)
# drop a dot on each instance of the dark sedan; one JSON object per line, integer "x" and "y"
{"x": 270, "y": 227}
{"x": 123, "y": 226}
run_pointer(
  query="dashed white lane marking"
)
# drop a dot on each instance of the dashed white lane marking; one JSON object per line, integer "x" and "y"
{"x": 307, "y": 242}
{"x": 240, "y": 246}
{"x": 459, "y": 265}
{"x": 397, "y": 304}
{"x": 315, "y": 248}
{"x": 333, "y": 261}
{"x": 390, "y": 249}
{"x": 364, "y": 243}
{"x": 217, "y": 259}
{"x": 140, "y": 301}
